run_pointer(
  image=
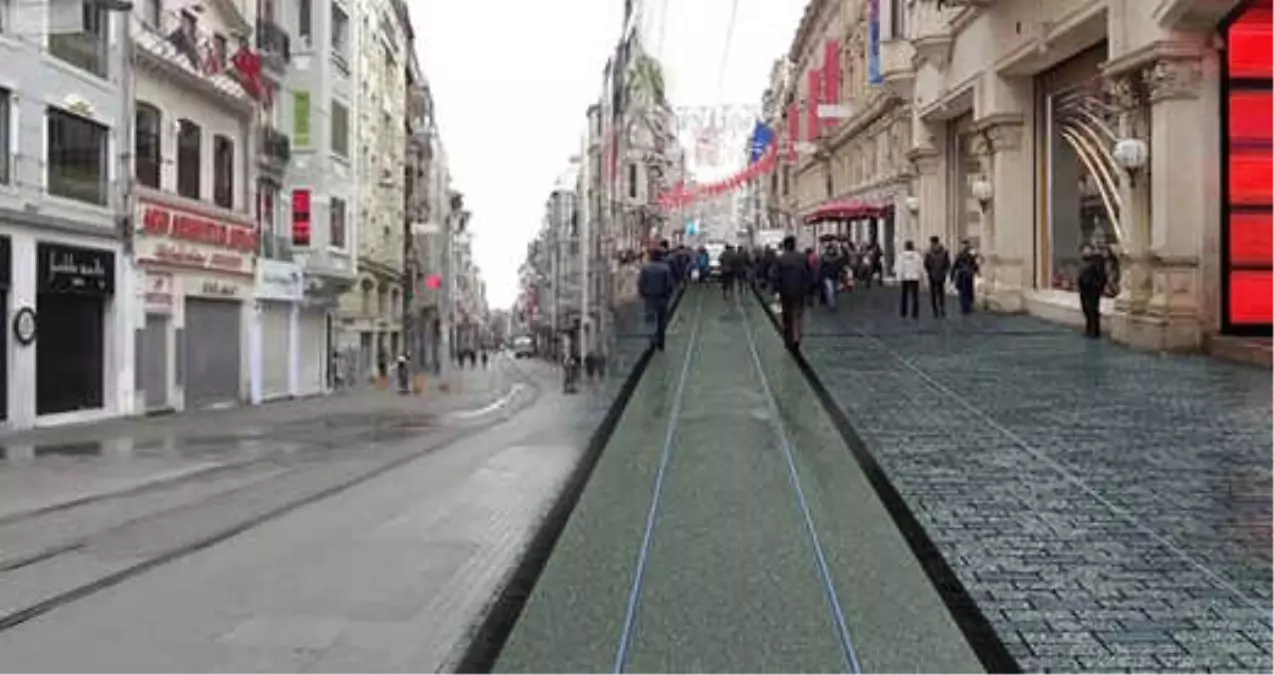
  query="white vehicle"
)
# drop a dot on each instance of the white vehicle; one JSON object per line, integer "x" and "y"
{"x": 523, "y": 347}
{"x": 714, "y": 249}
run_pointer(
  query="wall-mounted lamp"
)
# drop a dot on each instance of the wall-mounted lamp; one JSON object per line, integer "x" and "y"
{"x": 1131, "y": 153}
{"x": 913, "y": 204}
{"x": 983, "y": 191}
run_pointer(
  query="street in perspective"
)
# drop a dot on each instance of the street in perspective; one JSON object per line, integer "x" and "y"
{"x": 718, "y": 336}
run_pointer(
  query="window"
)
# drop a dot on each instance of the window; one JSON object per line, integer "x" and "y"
{"x": 223, "y": 172}
{"x": 367, "y": 296}
{"x": 188, "y": 159}
{"x": 87, "y": 48}
{"x": 77, "y": 158}
{"x": 303, "y": 21}
{"x": 152, "y": 10}
{"x": 301, "y": 119}
{"x": 632, "y": 181}
{"x": 336, "y": 223}
{"x": 221, "y": 48}
{"x": 340, "y": 129}
{"x": 146, "y": 148}
{"x": 340, "y": 37}
{"x": 897, "y": 20}
{"x": 5, "y": 150}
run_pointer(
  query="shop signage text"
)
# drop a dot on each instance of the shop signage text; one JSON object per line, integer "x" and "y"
{"x": 213, "y": 288}
{"x": 160, "y": 221}
{"x": 279, "y": 280}
{"x": 70, "y": 269}
{"x": 157, "y": 293}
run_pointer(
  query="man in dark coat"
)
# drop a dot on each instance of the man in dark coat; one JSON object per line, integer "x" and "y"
{"x": 937, "y": 266}
{"x": 792, "y": 278}
{"x": 656, "y": 285}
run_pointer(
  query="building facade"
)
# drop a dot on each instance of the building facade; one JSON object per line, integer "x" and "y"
{"x": 64, "y": 276}
{"x": 1141, "y": 128}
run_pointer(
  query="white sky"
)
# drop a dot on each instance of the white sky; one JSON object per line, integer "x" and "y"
{"x": 512, "y": 79}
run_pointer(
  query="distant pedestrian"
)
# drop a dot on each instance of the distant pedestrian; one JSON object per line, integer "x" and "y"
{"x": 727, "y": 271}
{"x": 1092, "y": 281}
{"x": 963, "y": 272}
{"x": 484, "y": 359}
{"x": 656, "y": 285}
{"x": 404, "y": 375}
{"x": 909, "y": 268}
{"x": 831, "y": 268}
{"x": 792, "y": 278}
{"x": 937, "y": 267}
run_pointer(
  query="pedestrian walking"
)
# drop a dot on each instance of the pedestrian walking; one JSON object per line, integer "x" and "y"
{"x": 728, "y": 265}
{"x": 484, "y": 359}
{"x": 655, "y": 284}
{"x": 815, "y": 288}
{"x": 963, "y": 272}
{"x": 1092, "y": 281}
{"x": 791, "y": 277}
{"x": 908, "y": 268}
{"x": 937, "y": 266}
{"x": 404, "y": 374}
{"x": 831, "y": 268}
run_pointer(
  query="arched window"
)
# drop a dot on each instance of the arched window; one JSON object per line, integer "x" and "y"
{"x": 147, "y": 144}
{"x": 367, "y": 296}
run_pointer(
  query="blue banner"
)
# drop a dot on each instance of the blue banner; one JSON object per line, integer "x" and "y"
{"x": 762, "y": 137}
{"x": 873, "y": 46}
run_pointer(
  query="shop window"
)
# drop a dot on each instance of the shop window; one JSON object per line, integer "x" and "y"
{"x": 223, "y": 171}
{"x": 189, "y": 158}
{"x": 340, "y": 129}
{"x": 146, "y": 142}
{"x": 86, "y": 49}
{"x": 77, "y": 158}
{"x": 1082, "y": 177}
{"x": 336, "y": 223}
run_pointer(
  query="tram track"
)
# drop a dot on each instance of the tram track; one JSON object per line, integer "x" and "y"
{"x": 44, "y": 578}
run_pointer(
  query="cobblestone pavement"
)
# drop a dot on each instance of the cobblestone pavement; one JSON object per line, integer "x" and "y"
{"x": 1108, "y": 509}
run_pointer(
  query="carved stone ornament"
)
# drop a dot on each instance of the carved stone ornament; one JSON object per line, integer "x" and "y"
{"x": 1174, "y": 78}
{"x": 1004, "y": 137}
{"x": 1125, "y": 91}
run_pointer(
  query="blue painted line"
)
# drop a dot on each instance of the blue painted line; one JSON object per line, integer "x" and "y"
{"x": 824, "y": 571}
{"x": 639, "y": 576}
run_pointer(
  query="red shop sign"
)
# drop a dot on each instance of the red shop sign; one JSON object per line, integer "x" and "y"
{"x": 301, "y": 217}
{"x": 161, "y": 221}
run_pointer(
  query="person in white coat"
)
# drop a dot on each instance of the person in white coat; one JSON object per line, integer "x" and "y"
{"x": 909, "y": 268}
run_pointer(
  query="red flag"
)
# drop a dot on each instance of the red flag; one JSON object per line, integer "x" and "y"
{"x": 812, "y": 100}
{"x": 831, "y": 75}
{"x": 248, "y": 64}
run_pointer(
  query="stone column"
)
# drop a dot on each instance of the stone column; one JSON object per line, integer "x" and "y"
{"x": 1008, "y": 223}
{"x": 931, "y": 189}
{"x": 1126, "y": 92}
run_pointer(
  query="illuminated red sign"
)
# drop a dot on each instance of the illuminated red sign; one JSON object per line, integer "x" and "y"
{"x": 1249, "y": 274}
{"x": 433, "y": 282}
{"x": 301, "y": 217}
{"x": 162, "y": 221}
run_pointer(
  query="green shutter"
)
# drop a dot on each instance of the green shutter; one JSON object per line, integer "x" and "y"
{"x": 301, "y": 119}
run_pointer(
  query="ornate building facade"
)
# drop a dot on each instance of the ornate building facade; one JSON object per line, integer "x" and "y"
{"x": 1131, "y": 126}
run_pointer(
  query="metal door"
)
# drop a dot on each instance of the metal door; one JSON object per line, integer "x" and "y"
{"x": 212, "y": 352}
{"x": 276, "y": 319}
{"x": 154, "y": 361}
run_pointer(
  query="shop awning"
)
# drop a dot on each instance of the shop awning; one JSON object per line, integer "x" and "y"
{"x": 844, "y": 210}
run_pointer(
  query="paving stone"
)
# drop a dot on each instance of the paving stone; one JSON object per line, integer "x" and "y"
{"x": 1177, "y": 446}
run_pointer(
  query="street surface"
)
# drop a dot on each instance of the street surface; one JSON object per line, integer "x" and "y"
{"x": 365, "y": 531}
{"x": 1108, "y": 509}
{"x": 752, "y": 564}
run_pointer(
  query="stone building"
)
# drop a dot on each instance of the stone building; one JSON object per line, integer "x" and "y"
{"x": 1139, "y": 127}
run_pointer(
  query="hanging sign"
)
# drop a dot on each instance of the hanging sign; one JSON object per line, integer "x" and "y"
{"x": 71, "y": 269}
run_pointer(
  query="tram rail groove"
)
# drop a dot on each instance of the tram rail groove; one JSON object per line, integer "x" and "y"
{"x": 488, "y": 639}
{"x": 61, "y": 599}
{"x": 964, "y": 610}
{"x": 843, "y": 634}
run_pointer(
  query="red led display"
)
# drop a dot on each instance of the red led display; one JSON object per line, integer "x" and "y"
{"x": 301, "y": 217}
{"x": 1249, "y": 144}
{"x": 1251, "y": 297}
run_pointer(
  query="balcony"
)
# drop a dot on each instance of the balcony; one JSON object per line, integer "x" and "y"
{"x": 276, "y": 148}
{"x": 275, "y": 45}
{"x": 897, "y": 67}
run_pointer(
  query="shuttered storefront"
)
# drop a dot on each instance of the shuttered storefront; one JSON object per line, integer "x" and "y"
{"x": 212, "y": 352}
{"x": 275, "y": 320}
{"x": 313, "y": 347}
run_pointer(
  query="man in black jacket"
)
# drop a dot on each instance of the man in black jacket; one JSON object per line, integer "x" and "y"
{"x": 656, "y": 285}
{"x": 937, "y": 266}
{"x": 792, "y": 278}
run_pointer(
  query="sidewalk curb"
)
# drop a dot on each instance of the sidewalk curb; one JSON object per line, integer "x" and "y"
{"x": 973, "y": 624}
{"x": 497, "y": 621}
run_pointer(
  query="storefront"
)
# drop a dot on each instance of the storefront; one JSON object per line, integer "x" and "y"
{"x": 6, "y": 275}
{"x": 312, "y": 344}
{"x": 73, "y": 288}
{"x": 1078, "y": 177}
{"x": 197, "y": 286}
{"x": 276, "y": 335}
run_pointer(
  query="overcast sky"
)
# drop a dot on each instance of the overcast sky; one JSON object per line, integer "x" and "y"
{"x": 512, "y": 79}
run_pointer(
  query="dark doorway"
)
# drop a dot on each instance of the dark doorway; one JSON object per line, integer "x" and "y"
{"x": 68, "y": 353}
